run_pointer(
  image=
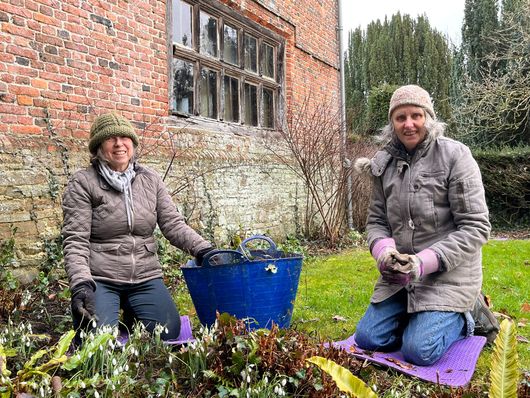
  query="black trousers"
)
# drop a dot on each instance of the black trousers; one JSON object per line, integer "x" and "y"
{"x": 148, "y": 302}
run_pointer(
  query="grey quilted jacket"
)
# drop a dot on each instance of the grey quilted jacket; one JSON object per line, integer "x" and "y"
{"x": 97, "y": 242}
{"x": 434, "y": 199}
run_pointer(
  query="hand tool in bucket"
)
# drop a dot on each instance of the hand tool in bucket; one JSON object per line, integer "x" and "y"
{"x": 258, "y": 285}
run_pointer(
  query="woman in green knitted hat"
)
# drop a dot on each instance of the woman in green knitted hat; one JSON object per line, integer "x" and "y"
{"x": 111, "y": 209}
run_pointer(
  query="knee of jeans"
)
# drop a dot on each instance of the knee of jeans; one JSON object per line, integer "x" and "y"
{"x": 363, "y": 339}
{"x": 422, "y": 354}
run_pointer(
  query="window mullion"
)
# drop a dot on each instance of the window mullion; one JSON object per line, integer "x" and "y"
{"x": 195, "y": 28}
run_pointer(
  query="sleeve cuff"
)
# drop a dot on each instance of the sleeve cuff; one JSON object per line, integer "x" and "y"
{"x": 429, "y": 261}
{"x": 380, "y": 245}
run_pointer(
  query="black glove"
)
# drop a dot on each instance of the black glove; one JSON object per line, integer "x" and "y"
{"x": 199, "y": 256}
{"x": 84, "y": 301}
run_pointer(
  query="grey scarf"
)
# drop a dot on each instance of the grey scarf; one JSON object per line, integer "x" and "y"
{"x": 121, "y": 182}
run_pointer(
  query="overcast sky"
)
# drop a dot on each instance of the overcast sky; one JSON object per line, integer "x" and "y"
{"x": 446, "y": 16}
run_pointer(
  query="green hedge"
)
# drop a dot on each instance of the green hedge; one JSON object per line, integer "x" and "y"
{"x": 506, "y": 176}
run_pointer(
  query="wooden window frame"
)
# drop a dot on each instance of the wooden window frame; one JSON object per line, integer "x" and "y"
{"x": 243, "y": 26}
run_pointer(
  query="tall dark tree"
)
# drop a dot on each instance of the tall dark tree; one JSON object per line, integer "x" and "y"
{"x": 480, "y": 22}
{"x": 397, "y": 51}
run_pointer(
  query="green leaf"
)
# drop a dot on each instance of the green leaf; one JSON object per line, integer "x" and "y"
{"x": 504, "y": 373}
{"x": 345, "y": 380}
{"x": 64, "y": 344}
{"x": 82, "y": 355}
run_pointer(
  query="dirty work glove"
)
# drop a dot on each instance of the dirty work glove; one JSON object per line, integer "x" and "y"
{"x": 84, "y": 301}
{"x": 199, "y": 256}
{"x": 383, "y": 251}
{"x": 408, "y": 268}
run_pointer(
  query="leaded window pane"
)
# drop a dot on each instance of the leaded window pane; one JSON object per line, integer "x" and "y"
{"x": 183, "y": 85}
{"x": 230, "y": 49}
{"x": 231, "y": 99}
{"x": 251, "y": 105}
{"x": 267, "y": 61}
{"x": 268, "y": 108}
{"x": 208, "y": 34}
{"x": 251, "y": 53}
{"x": 208, "y": 93}
{"x": 182, "y": 17}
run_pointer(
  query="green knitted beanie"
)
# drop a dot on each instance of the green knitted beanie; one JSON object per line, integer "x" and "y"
{"x": 110, "y": 125}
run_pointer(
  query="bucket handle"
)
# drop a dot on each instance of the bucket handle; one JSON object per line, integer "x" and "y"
{"x": 237, "y": 257}
{"x": 246, "y": 251}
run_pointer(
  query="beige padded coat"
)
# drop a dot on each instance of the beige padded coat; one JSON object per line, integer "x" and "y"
{"x": 434, "y": 199}
{"x": 97, "y": 242}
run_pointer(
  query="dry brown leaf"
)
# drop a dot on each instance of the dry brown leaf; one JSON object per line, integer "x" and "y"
{"x": 402, "y": 365}
{"x": 525, "y": 307}
{"x": 522, "y": 339}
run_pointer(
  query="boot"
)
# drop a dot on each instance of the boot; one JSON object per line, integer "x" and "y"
{"x": 485, "y": 322}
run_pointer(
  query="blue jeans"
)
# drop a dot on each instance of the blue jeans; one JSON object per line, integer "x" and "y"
{"x": 422, "y": 337}
{"x": 148, "y": 302}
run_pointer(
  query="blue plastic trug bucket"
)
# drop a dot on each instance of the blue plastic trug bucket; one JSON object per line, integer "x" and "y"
{"x": 257, "y": 286}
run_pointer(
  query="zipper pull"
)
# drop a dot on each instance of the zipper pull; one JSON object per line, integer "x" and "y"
{"x": 411, "y": 223}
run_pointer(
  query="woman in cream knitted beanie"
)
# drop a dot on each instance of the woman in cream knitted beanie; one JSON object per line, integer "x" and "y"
{"x": 427, "y": 221}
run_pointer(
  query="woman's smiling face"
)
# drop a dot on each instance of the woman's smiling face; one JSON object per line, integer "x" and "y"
{"x": 118, "y": 151}
{"x": 409, "y": 125}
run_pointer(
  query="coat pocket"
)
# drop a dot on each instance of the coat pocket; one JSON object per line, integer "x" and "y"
{"x": 106, "y": 260}
{"x": 147, "y": 263}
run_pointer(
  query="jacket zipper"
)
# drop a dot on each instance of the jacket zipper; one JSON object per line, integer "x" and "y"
{"x": 133, "y": 257}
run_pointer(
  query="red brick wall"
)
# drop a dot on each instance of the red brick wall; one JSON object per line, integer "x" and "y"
{"x": 63, "y": 61}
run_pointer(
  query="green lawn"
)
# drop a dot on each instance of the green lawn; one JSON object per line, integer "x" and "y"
{"x": 334, "y": 292}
